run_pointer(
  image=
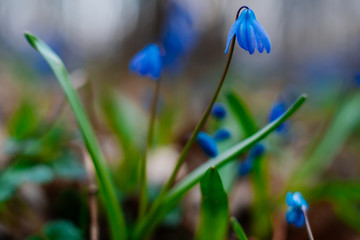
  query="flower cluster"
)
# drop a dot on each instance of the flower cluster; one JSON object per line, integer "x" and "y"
{"x": 297, "y": 206}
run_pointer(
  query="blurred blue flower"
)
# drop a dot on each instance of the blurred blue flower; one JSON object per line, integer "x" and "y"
{"x": 278, "y": 109}
{"x": 147, "y": 62}
{"x": 249, "y": 33}
{"x": 297, "y": 205}
{"x": 222, "y": 134}
{"x": 218, "y": 111}
{"x": 247, "y": 166}
{"x": 207, "y": 144}
{"x": 178, "y": 35}
{"x": 357, "y": 78}
{"x": 257, "y": 151}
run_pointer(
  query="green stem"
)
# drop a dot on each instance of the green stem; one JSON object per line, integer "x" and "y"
{"x": 149, "y": 140}
{"x": 200, "y": 125}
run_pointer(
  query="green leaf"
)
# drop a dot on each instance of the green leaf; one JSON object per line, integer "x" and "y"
{"x": 348, "y": 212}
{"x": 343, "y": 125}
{"x": 106, "y": 186}
{"x": 158, "y": 211}
{"x": 241, "y": 113}
{"x": 260, "y": 210}
{"x": 59, "y": 230}
{"x": 15, "y": 176}
{"x": 68, "y": 166}
{"x": 238, "y": 230}
{"x": 214, "y": 208}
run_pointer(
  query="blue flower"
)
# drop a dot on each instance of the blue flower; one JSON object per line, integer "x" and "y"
{"x": 147, "y": 62}
{"x": 218, "y": 111}
{"x": 257, "y": 151}
{"x": 207, "y": 144}
{"x": 249, "y": 33}
{"x": 246, "y": 166}
{"x": 222, "y": 134}
{"x": 297, "y": 205}
{"x": 278, "y": 109}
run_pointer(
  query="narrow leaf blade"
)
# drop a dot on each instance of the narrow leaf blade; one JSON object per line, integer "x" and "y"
{"x": 238, "y": 230}
{"x": 214, "y": 208}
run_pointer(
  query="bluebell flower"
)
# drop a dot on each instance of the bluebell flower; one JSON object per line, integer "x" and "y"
{"x": 207, "y": 144}
{"x": 297, "y": 205}
{"x": 147, "y": 62}
{"x": 218, "y": 111}
{"x": 178, "y": 35}
{"x": 357, "y": 78}
{"x": 246, "y": 167}
{"x": 278, "y": 109}
{"x": 257, "y": 151}
{"x": 249, "y": 33}
{"x": 222, "y": 134}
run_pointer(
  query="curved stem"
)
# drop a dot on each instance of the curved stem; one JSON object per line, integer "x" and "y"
{"x": 308, "y": 225}
{"x": 200, "y": 125}
{"x": 150, "y": 136}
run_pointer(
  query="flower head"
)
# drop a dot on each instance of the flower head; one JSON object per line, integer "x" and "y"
{"x": 297, "y": 205}
{"x": 218, "y": 111}
{"x": 278, "y": 109}
{"x": 207, "y": 144}
{"x": 249, "y": 33}
{"x": 222, "y": 134}
{"x": 147, "y": 62}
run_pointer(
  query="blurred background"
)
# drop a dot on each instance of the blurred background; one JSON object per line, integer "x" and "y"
{"x": 315, "y": 50}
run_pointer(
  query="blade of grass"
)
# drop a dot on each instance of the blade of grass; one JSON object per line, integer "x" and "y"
{"x": 238, "y": 230}
{"x": 344, "y": 123}
{"x": 107, "y": 189}
{"x": 261, "y": 211}
{"x": 145, "y": 227}
{"x": 214, "y": 208}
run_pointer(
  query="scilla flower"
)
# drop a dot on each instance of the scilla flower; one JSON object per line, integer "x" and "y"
{"x": 249, "y": 33}
{"x": 207, "y": 144}
{"x": 147, "y": 62}
{"x": 218, "y": 111}
{"x": 297, "y": 206}
{"x": 222, "y": 134}
{"x": 278, "y": 109}
{"x": 248, "y": 164}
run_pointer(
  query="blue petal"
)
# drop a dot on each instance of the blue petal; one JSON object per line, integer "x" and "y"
{"x": 241, "y": 31}
{"x": 147, "y": 62}
{"x": 207, "y": 144}
{"x": 262, "y": 38}
{"x": 246, "y": 167}
{"x": 218, "y": 111}
{"x": 295, "y": 216}
{"x": 222, "y": 134}
{"x": 231, "y": 34}
{"x": 257, "y": 151}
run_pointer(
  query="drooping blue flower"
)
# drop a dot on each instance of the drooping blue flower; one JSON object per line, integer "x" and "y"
{"x": 297, "y": 205}
{"x": 222, "y": 134}
{"x": 278, "y": 109}
{"x": 257, "y": 151}
{"x": 178, "y": 36}
{"x": 246, "y": 167}
{"x": 249, "y": 33}
{"x": 207, "y": 144}
{"x": 218, "y": 111}
{"x": 147, "y": 62}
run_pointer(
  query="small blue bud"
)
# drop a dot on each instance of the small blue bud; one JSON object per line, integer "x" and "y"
{"x": 207, "y": 144}
{"x": 218, "y": 111}
{"x": 246, "y": 167}
{"x": 297, "y": 204}
{"x": 222, "y": 134}
{"x": 147, "y": 62}
{"x": 249, "y": 33}
{"x": 257, "y": 151}
{"x": 278, "y": 109}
